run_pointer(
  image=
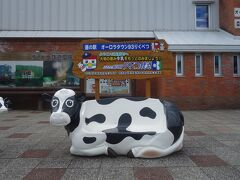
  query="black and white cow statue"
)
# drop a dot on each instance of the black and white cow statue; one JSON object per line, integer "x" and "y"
{"x": 136, "y": 127}
{"x": 3, "y": 104}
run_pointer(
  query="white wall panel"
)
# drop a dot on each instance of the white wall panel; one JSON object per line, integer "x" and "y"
{"x": 97, "y": 15}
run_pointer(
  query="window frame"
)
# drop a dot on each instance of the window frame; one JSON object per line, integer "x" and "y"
{"x": 203, "y": 28}
{"x": 182, "y": 64}
{"x": 238, "y": 65}
{"x": 219, "y": 65}
{"x": 201, "y": 65}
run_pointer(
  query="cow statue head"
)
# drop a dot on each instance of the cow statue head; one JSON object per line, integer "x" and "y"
{"x": 4, "y": 103}
{"x": 65, "y": 105}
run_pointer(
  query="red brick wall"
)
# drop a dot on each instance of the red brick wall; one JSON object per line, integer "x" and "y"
{"x": 226, "y": 14}
{"x": 206, "y": 92}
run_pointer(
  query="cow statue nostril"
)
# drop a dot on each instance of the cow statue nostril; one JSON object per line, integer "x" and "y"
{"x": 59, "y": 119}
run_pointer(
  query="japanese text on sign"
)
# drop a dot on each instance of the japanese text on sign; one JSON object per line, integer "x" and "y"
{"x": 117, "y": 46}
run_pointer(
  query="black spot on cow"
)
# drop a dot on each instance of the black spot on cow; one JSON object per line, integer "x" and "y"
{"x": 124, "y": 121}
{"x": 89, "y": 140}
{"x": 136, "y": 98}
{"x": 175, "y": 119}
{"x": 107, "y": 101}
{"x": 116, "y": 135}
{"x": 73, "y": 112}
{"x": 148, "y": 112}
{"x": 0, "y": 105}
{"x": 100, "y": 118}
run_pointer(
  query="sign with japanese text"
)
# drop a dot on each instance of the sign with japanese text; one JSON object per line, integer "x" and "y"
{"x": 237, "y": 23}
{"x": 102, "y": 59}
{"x": 236, "y": 12}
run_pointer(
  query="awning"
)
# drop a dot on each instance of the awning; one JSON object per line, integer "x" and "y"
{"x": 200, "y": 41}
{"x": 179, "y": 41}
{"x": 77, "y": 34}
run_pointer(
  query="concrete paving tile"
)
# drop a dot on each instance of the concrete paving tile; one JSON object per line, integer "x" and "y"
{"x": 120, "y": 161}
{"x": 81, "y": 174}
{"x": 23, "y": 163}
{"x": 44, "y": 145}
{"x": 237, "y": 167}
{"x": 85, "y": 162}
{"x": 22, "y": 116}
{"x": 227, "y": 154}
{"x": 4, "y": 163}
{"x": 116, "y": 174}
{"x": 35, "y": 153}
{"x": 177, "y": 159}
{"x": 5, "y": 128}
{"x": 19, "y": 135}
{"x": 225, "y": 172}
{"x": 6, "y": 154}
{"x": 154, "y": 173}
{"x": 43, "y": 122}
{"x": 187, "y": 173}
{"x": 61, "y": 153}
{"x": 15, "y": 174}
{"x": 207, "y": 160}
{"x": 208, "y": 141}
{"x": 191, "y": 143}
{"x": 196, "y": 151}
{"x": 54, "y": 163}
{"x": 195, "y": 133}
{"x": 45, "y": 173}
{"x": 10, "y": 119}
{"x": 227, "y": 137}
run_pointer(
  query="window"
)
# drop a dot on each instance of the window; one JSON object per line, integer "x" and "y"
{"x": 198, "y": 65}
{"x": 217, "y": 65}
{"x": 179, "y": 64}
{"x": 236, "y": 65}
{"x": 202, "y": 16}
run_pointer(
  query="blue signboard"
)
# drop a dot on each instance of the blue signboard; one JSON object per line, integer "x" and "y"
{"x": 117, "y": 46}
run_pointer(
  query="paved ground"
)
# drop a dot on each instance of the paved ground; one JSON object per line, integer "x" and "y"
{"x": 32, "y": 149}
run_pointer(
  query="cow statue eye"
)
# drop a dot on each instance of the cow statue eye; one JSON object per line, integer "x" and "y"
{"x": 69, "y": 103}
{"x": 55, "y": 103}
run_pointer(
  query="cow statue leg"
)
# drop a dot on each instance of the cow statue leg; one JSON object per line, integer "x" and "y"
{"x": 89, "y": 144}
{"x": 155, "y": 149}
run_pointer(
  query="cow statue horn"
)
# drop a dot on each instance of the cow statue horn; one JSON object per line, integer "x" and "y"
{"x": 135, "y": 127}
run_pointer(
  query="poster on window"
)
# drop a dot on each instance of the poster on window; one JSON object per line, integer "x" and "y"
{"x": 59, "y": 73}
{"x": 109, "y": 87}
{"x": 21, "y": 73}
{"x": 7, "y": 74}
{"x": 37, "y": 74}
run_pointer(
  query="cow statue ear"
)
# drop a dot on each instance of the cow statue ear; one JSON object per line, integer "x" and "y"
{"x": 7, "y": 102}
{"x": 81, "y": 97}
{"x": 46, "y": 97}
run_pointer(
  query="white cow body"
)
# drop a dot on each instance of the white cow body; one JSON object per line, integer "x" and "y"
{"x": 133, "y": 127}
{"x": 2, "y": 106}
{"x": 149, "y": 146}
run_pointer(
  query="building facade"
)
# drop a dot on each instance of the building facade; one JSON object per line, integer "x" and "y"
{"x": 203, "y": 36}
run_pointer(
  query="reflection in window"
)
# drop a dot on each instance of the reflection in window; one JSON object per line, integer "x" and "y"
{"x": 198, "y": 65}
{"x": 179, "y": 64}
{"x": 236, "y": 65}
{"x": 217, "y": 65}
{"x": 202, "y": 16}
